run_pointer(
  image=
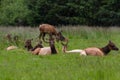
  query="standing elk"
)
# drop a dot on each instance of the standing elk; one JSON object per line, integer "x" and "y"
{"x": 51, "y": 31}
{"x": 94, "y": 51}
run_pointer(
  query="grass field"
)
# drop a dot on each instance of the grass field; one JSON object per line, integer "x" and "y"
{"x": 20, "y": 64}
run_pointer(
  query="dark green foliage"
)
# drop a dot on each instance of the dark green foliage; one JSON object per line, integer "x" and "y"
{"x": 60, "y": 12}
{"x": 13, "y": 12}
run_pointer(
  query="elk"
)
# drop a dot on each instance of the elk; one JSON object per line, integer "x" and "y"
{"x": 40, "y": 50}
{"x": 94, "y": 51}
{"x": 51, "y": 30}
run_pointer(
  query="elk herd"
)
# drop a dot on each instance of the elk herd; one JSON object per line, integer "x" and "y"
{"x": 56, "y": 36}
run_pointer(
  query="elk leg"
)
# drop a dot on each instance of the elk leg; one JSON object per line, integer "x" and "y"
{"x": 43, "y": 37}
{"x": 57, "y": 38}
{"x": 50, "y": 36}
{"x": 63, "y": 41}
{"x": 40, "y": 35}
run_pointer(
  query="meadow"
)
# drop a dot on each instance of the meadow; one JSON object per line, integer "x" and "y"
{"x": 20, "y": 64}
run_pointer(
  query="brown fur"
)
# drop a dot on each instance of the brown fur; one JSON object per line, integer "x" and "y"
{"x": 62, "y": 38}
{"x": 101, "y": 51}
{"x": 28, "y": 44}
{"x": 51, "y": 31}
{"x": 94, "y": 51}
{"x": 52, "y": 46}
{"x": 46, "y": 29}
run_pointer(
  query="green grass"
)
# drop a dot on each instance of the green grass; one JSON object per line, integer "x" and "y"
{"x": 20, "y": 64}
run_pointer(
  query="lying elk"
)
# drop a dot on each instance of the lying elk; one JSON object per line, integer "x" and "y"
{"x": 39, "y": 49}
{"x": 51, "y": 30}
{"x": 94, "y": 50}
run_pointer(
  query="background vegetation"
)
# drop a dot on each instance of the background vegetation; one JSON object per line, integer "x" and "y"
{"x": 60, "y": 12}
{"x": 20, "y": 64}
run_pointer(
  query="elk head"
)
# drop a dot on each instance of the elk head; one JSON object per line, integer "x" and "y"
{"x": 112, "y": 46}
{"x": 28, "y": 44}
{"x": 60, "y": 37}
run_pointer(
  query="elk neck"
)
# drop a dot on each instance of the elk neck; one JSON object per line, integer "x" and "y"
{"x": 30, "y": 48}
{"x": 105, "y": 49}
{"x": 53, "y": 49}
{"x": 37, "y": 46}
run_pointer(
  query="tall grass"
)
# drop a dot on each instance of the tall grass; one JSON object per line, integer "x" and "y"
{"x": 19, "y": 64}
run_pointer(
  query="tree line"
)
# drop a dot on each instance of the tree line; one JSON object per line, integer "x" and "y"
{"x": 60, "y": 12}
